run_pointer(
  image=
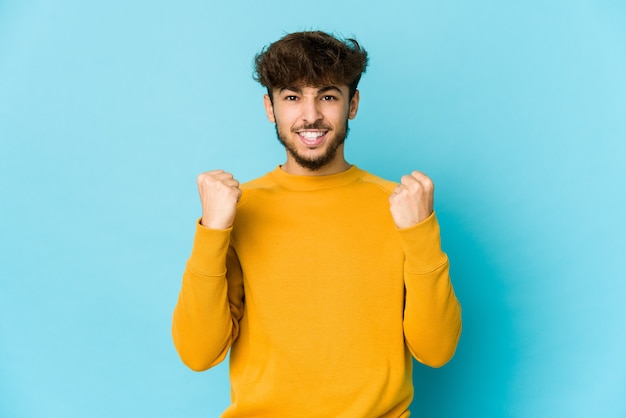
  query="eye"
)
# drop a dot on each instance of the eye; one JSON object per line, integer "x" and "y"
{"x": 291, "y": 98}
{"x": 329, "y": 97}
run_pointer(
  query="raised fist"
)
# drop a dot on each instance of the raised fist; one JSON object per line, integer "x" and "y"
{"x": 412, "y": 200}
{"x": 219, "y": 194}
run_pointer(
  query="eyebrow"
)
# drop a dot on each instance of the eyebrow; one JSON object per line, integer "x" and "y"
{"x": 330, "y": 88}
{"x": 319, "y": 91}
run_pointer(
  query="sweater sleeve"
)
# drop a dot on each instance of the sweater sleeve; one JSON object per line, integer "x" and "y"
{"x": 210, "y": 303}
{"x": 432, "y": 313}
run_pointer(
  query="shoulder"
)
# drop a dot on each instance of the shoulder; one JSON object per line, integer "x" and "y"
{"x": 386, "y": 185}
{"x": 258, "y": 183}
{"x": 251, "y": 187}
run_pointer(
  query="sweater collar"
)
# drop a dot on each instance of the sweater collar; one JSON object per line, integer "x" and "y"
{"x": 303, "y": 183}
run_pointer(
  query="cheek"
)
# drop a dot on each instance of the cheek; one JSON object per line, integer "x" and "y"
{"x": 282, "y": 116}
{"x": 282, "y": 126}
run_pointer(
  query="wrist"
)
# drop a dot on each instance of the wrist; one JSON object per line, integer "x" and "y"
{"x": 214, "y": 224}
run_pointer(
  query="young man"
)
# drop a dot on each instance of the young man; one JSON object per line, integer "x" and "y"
{"x": 321, "y": 279}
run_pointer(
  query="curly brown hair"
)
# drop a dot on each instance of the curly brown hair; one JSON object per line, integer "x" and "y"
{"x": 310, "y": 59}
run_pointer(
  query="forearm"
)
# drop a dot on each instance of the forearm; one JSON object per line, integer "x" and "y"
{"x": 202, "y": 325}
{"x": 432, "y": 315}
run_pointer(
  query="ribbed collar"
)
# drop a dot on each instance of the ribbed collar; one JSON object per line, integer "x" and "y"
{"x": 304, "y": 183}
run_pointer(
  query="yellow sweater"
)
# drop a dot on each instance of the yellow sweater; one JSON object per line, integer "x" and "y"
{"x": 321, "y": 299}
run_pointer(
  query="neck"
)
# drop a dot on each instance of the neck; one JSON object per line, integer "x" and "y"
{"x": 338, "y": 165}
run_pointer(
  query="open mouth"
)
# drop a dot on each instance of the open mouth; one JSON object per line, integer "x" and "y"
{"x": 312, "y": 138}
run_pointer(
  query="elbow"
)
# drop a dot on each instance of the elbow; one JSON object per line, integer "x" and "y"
{"x": 436, "y": 352}
{"x": 199, "y": 360}
{"x": 437, "y": 360}
{"x": 196, "y": 366}
{"x": 199, "y": 354}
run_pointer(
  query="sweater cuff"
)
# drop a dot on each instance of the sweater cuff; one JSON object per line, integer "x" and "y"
{"x": 208, "y": 254}
{"x": 421, "y": 244}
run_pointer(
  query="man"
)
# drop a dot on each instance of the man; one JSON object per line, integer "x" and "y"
{"x": 321, "y": 279}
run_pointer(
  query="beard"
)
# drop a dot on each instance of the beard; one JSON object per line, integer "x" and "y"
{"x": 314, "y": 163}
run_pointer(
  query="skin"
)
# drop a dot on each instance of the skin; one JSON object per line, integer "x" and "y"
{"x": 324, "y": 111}
{"x": 312, "y": 123}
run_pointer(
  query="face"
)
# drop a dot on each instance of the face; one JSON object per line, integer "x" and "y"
{"x": 312, "y": 124}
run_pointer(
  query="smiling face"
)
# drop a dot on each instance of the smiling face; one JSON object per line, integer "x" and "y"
{"x": 312, "y": 124}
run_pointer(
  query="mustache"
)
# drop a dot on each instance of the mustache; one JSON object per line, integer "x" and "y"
{"x": 317, "y": 125}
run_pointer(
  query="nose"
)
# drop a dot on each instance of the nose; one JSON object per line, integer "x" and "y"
{"x": 311, "y": 111}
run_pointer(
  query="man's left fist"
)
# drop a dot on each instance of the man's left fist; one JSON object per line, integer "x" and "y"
{"x": 412, "y": 200}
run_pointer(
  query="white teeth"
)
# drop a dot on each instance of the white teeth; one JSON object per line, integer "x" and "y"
{"x": 311, "y": 135}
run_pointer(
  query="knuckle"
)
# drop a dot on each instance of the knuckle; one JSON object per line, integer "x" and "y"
{"x": 202, "y": 178}
{"x": 407, "y": 181}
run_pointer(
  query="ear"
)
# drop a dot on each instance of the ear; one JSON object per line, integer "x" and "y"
{"x": 269, "y": 108}
{"x": 354, "y": 105}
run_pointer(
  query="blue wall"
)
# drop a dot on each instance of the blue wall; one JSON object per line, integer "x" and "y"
{"x": 109, "y": 110}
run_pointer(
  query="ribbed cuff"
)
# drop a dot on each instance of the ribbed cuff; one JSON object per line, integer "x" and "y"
{"x": 421, "y": 244}
{"x": 208, "y": 254}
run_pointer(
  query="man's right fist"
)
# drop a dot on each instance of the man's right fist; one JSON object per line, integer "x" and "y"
{"x": 219, "y": 194}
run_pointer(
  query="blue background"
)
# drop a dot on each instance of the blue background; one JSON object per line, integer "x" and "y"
{"x": 109, "y": 110}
